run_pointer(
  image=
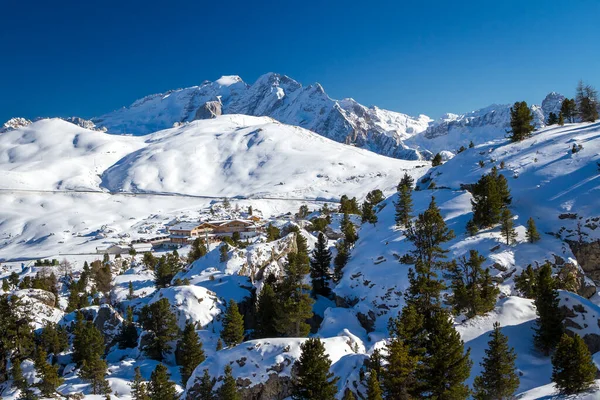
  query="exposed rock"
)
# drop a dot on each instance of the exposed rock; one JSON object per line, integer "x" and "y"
{"x": 210, "y": 109}
{"x": 588, "y": 257}
{"x": 367, "y": 321}
{"x": 14, "y": 123}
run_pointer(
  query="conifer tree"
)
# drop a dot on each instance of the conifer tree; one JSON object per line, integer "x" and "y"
{"x": 49, "y": 379}
{"x": 507, "y": 226}
{"x": 223, "y": 250}
{"x": 348, "y": 395}
{"x": 203, "y": 387}
{"x": 88, "y": 342}
{"x": 437, "y": 160}
{"x": 407, "y": 181}
{"x": 233, "y": 325}
{"x": 526, "y": 282}
{"x": 189, "y": 351}
{"x": 139, "y": 390}
{"x": 17, "y": 375}
{"x": 368, "y": 214}
{"x": 587, "y": 102}
{"x": 490, "y": 195}
{"x": 472, "y": 228}
{"x": 400, "y": 376}
{"x": 573, "y": 369}
{"x": 532, "y": 233}
{"x": 552, "y": 119}
{"x": 375, "y": 197}
{"x": 228, "y": 390}
{"x": 521, "y": 119}
{"x": 314, "y": 380}
{"x": 319, "y": 267}
{"x": 499, "y": 379}
{"x": 197, "y": 251}
{"x": 128, "y": 336}
{"x": 219, "y": 345}
{"x": 160, "y": 387}
{"x": 561, "y": 119}
{"x": 549, "y": 327}
{"x": 166, "y": 268}
{"x": 266, "y": 313}
{"x": 273, "y": 233}
{"x": 159, "y": 320}
{"x": 94, "y": 371}
{"x": 568, "y": 110}
{"x": 374, "y": 387}
{"x": 474, "y": 292}
{"x": 340, "y": 260}
{"x": 53, "y": 338}
{"x": 404, "y": 206}
{"x": 348, "y": 230}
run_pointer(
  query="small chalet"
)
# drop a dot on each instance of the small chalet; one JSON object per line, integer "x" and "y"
{"x": 185, "y": 232}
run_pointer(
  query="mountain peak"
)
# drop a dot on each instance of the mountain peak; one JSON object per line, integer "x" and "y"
{"x": 228, "y": 80}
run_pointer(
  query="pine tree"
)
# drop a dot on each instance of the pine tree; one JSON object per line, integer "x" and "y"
{"x": 348, "y": 395}
{"x": 203, "y": 388}
{"x": 273, "y": 233}
{"x": 53, "y": 338}
{"x": 587, "y": 102}
{"x": 437, "y": 160}
{"x": 223, "y": 250}
{"x": 375, "y": 197}
{"x": 228, "y": 390}
{"x": 573, "y": 369}
{"x": 348, "y": 230}
{"x": 561, "y": 119}
{"x": 490, "y": 195}
{"x": 49, "y": 379}
{"x": 521, "y": 119}
{"x": 340, "y": 260}
{"x": 219, "y": 345}
{"x": 549, "y": 327}
{"x": 474, "y": 291}
{"x": 507, "y": 226}
{"x": 166, "y": 268}
{"x": 400, "y": 376}
{"x": 568, "y": 110}
{"x": 160, "y": 387}
{"x": 197, "y": 251}
{"x": 139, "y": 390}
{"x": 319, "y": 267}
{"x": 266, "y": 313}
{"x": 472, "y": 228}
{"x": 445, "y": 364}
{"x": 94, "y": 371}
{"x": 406, "y": 181}
{"x": 499, "y": 379}
{"x": 314, "y": 380}
{"x": 532, "y": 233}
{"x": 17, "y": 375}
{"x": 525, "y": 282}
{"x": 233, "y": 326}
{"x": 374, "y": 387}
{"x": 552, "y": 119}
{"x": 159, "y": 320}
{"x": 404, "y": 206}
{"x": 88, "y": 342}
{"x": 368, "y": 214}
{"x": 189, "y": 351}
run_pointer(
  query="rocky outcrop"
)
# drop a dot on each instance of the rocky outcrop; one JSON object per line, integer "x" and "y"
{"x": 209, "y": 110}
{"x": 14, "y": 123}
{"x": 588, "y": 256}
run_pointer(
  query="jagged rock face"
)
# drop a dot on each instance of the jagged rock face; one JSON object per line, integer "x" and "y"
{"x": 551, "y": 104}
{"x": 210, "y": 109}
{"x": 14, "y": 123}
{"x": 84, "y": 123}
{"x": 588, "y": 256}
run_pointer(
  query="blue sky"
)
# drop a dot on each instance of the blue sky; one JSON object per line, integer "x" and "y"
{"x": 86, "y": 58}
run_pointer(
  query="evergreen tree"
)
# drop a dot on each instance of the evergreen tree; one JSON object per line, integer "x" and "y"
{"x": 472, "y": 228}
{"x": 499, "y": 379}
{"x": 319, "y": 267}
{"x": 53, "y": 338}
{"x": 94, "y": 371}
{"x": 587, "y": 102}
{"x": 233, "y": 325}
{"x": 375, "y": 197}
{"x": 49, "y": 379}
{"x": 474, "y": 291}
{"x": 139, "y": 390}
{"x": 507, "y": 226}
{"x": 445, "y": 364}
{"x": 525, "y": 282}
{"x": 159, "y": 320}
{"x": 223, "y": 250}
{"x": 532, "y": 233}
{"x": 568, "y": 110}
{"x": 197, "y": 251}
{"x": 368, "y": 214}
{"x": 561, "y": 119}
{"x": 348, "y": 395}
{"x": 160, "y": 387}
{"x": 552, "y": 119}
{"x": 273, "y": 233}
{"x": 17, "y": 375}
{"x": 219, "y": 345}
{"x": 88, "y": 342}
{"x": 490, "y": 195}
{"x": 374, "y": 387}
{"x": 166, "y": 268}
{"x": 549, "y": 327}
{"x": 128, "y": 336}
{"x": 266, "y": 313}
{"x": 348, "y": 230}
{"x": 203, "y": 388}
{"x": 406, "y": 181}
{"x": 16, "y": 337}
{"x": 349, "y": 206}
{"x": 400, "y": 376}
{"x": 228, "y": 390}
{"x": 314, "y": 380}
{"x": 404, "y": 206}
{"x": 189, "y": 351}
{"x": 521, "y": 119}
{"x": 573, "y": 369}
{"x": 340, "y": 260}
{"x": 437, "y": 160}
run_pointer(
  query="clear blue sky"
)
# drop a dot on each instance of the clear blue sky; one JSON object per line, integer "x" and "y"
{"x": 86, "y": 58}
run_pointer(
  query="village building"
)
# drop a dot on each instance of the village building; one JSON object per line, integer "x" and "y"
{"x": 185, "y": 232}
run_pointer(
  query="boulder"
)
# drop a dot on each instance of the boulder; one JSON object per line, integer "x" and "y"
{"x": 209, "y": 110}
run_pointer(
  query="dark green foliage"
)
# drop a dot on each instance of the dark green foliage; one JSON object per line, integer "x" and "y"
{"x": 499, "y": 379}
{"x": 404, "y": 205}
{"x": 348, "y": 230}
{"x": 521, "y": 120}
{"x": 203, "y": 387}
{"x": 406, "y": 181}
{"x": 88, "y": 343}
{"x": 427, "y": 234}
{"x": 319, "y": 224}
{"x": 549, "y": 327}
{"x": 16, "y": 337}
{"x": 228, "y": 390}
{"x": 507, "y": 226}
{"x": 314, "y": 380}
{"x": 561, "y": 120}
{"x": 266, "y": 313}
{"x": 53, "y": 338}
{"x": 573, "y": 369}
{"x": 302, "y": 212}
{"x": 368, "y": 214}
{"x": 319, "y": 267}
{"x": 568, "y": 110}
{"x": 474, "y": 291}
{"x": 49, "y": 379}
{"x": 471, "y": 144}
{"x": 160, "y": 387}
{"x": 159, "y": 320}
{"x": 526, "y": 281}
{"x": 189, "y": 351}
{"x": 490, "y": 195}
{"x": 94, "y": 371}
{"x": 223, "y": 250}
{"x": 349, "y": 206}
{"x": 472, "y": 228}
{"x": 552, "y": 119}
{"x": 532, "y": 233}
{"x": 149, "y": 260}
{"x": 17, "y": 375}
{"x": 340, "y": 260}
{"x": 166, "y": 268}
{"x": 233, "y": 326}
{"x": 197, "y": 251}
{"x": 349, "y": 395}
{"x": 219, "y": 345}
{"x": 139, "y": 391}
{"x": 5, "y": 285}
{"x": 375, "y": 197}
{"x": 587, "y": 102}
{"x": 437, "y": 160}
{"x": 400, "y": 375}
{"x": 374, "y": 387}
{"x": 128, "y": 336}
{"x": 273, "y": 233}
{"x": 102, "y": 275}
